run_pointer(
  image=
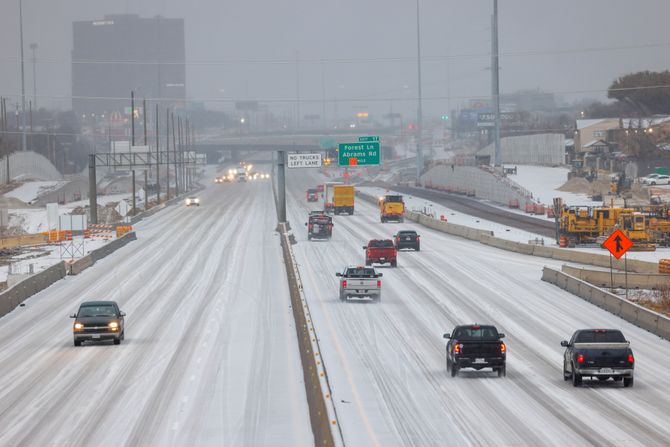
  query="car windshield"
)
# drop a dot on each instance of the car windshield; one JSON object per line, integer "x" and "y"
{"x": 361, "y": 273}
{"x": 407, "y": 233}
{"x": 476, "y": 333}
{"x": 97, "y": 311}
{"x": 393, "y": 199}
{"x": 600, "y": 336}
{"x": 381, "y": 244}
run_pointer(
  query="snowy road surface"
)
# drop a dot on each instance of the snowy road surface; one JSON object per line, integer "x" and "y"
{"x": 386, "y": 361}
{"x": 210, "y": 355}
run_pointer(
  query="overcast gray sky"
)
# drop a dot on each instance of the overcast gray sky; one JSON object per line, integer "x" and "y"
{"x": 542, "y": 46}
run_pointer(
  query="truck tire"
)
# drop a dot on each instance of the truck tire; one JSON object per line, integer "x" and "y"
{"x": 309, "y": 237}
{"x": 382, "y": 219}
{"x": 402, "y": 219}
{"x": 454, "y": 370}
{"x": 418, "y": 248}
{"x": 502, "y": 371}
{"x": 394, "y": 263}
{"x": 448, "y": 364}
{"x": 566, "y": 375}
{"x": 576, "y": 378}
{"x": 342, "y": 297}
{"x": 117, "y": 341}
{"x": 77, "y": 342}
{"x": 628, "y": 382}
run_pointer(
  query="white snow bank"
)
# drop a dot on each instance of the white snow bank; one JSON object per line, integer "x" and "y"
{"x": 30, "y": 191}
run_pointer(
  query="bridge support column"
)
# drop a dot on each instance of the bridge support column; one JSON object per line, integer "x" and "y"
{"x": 281, "y": 186}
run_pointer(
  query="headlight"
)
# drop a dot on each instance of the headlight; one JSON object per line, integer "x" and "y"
{"x": 188, "y": 202}
{"x": 114, "y": 326}
{"x": 197, "y": 200}
{"x": 78, "y": 327}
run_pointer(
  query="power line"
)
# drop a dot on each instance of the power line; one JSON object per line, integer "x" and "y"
{"x": 316, "y": 61}
{"x": 339, "y": 100}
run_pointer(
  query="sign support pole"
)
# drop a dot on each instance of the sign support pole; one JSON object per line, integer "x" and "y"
{"x": 611, "y": 275}
{"x": 625, "y": 270}
{"x": 281, "y": 186}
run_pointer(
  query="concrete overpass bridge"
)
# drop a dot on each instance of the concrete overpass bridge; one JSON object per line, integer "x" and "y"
{"x": 237, "y": 146}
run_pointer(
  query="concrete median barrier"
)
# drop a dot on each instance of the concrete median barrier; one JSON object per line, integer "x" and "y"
{"x": 323, "y": 417}
{"x": 80, "y": 265}
{"x": 111, "y": 247}
{"x": 647, "y": 319}
{"x": 14, "y": 296}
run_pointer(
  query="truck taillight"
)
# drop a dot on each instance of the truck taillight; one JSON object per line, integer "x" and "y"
{"x": 418, "y": 238}
{"x": 344, "y": 283}
{"x": 397, "y": 238}
{"x": 503, "y": 348}
{"x": 580, "y": 358}
{"x": 379, "y": 283}
{"x": 457, "y": 348}
{"x": 631, "y": 359}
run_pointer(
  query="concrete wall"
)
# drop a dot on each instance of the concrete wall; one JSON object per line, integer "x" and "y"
{"x": 602, "y": 278}
{"x": 485, "y": 184}
{"x": 14, "y": 296}
{"x": 543, "y": 149}
{"x": 647, "y": 319}
{"x": 28, "y": 164}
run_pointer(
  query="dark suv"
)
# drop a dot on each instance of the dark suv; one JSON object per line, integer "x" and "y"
{"x": 98, "y": 320}
{"x": 407, "y": 239}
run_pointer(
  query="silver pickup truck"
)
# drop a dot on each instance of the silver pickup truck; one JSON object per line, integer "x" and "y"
{"x": 360, "y": 282}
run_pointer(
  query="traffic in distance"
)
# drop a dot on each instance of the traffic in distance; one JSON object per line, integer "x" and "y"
{"x": 600, "y": 354}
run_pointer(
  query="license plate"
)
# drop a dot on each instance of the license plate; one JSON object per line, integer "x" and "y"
{"x": 606, "y": 370}
{"x": 95, "y": 336}
{"x": 382, "y": 259}
{"x": 408, "y": 238}
{"x": 480, "y": 361}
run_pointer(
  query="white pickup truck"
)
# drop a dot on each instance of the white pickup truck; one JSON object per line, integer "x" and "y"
{"x": 360, "y": 282}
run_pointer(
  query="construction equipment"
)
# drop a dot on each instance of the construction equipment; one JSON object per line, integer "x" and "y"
{"x": 585, "y": 225}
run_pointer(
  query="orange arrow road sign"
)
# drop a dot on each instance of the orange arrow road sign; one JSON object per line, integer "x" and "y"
{"x": 618, "y": 243}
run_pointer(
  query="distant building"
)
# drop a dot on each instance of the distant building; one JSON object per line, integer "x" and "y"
{"x": 120, "y": 53}
{"x": 529, "y": 100}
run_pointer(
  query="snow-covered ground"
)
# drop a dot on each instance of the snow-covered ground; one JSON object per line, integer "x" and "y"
{"x": 210, "y": 356}
{"x": 29, "y": 191}
{"x": 386, "y": 361}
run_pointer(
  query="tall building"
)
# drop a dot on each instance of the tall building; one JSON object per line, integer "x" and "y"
{"x": 120, "y": 53}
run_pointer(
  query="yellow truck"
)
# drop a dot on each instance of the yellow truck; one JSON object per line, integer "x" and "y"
{"x": 391, "y": 207}
{"x": 343, "y": 199}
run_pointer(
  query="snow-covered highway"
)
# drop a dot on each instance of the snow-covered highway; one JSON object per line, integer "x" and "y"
{"x": 386, "y": 361}
{"x": 210, "y": 355}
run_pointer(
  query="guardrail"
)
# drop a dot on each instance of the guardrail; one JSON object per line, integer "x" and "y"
{"x": 322, "y": 412}
{"x": 646, "y": 319}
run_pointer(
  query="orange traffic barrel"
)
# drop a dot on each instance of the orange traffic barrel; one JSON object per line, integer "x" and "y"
{"x": 563, "y": 242}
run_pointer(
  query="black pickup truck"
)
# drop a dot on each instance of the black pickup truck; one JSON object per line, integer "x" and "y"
{"x": 599, "y": 353}
{"x": 476, "y": 346}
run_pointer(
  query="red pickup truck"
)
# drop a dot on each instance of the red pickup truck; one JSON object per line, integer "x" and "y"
{"x": 381, "y": 251}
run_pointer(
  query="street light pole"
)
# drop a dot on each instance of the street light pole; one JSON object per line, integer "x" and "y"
{"x": 495, "y": 72}
{"x": 23, "y": 82}
{"x": 419, "y": 114}
{"x": 33, "y": 46}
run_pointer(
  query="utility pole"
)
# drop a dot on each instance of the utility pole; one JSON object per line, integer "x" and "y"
{"x": 30, "y": 107}
{"x": 323, "y": 95}
{"x": 23, "y": 82}
{"x": 496, "y": 82}
{"x": 167, "y": 152}
{"x": 33, "y": 46}
{"x": 5, "y": 143}
{"x": 181, "y": 155}
{"x": 146, "y": 170}
{"x": 158, "y": 162}
{"x": 92, "y": 190}
{"x": 297, "y": 90}
{"x": 174, "y": 148}
{"x": 419, "y": 114}
{"x": 132, "y": 142}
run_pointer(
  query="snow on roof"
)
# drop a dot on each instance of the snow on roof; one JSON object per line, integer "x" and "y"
{"x": 569, "y": 142}
{"x": 644, "y": 123}
{"x": 582, "y": 124}
{"x": 596, "y": 143}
